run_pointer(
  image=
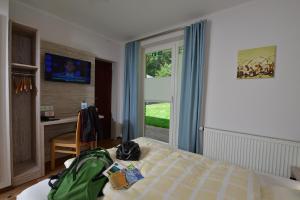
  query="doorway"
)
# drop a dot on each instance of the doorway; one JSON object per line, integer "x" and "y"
{"x": 103, "y": 87}
{"x": 162, "y": 81}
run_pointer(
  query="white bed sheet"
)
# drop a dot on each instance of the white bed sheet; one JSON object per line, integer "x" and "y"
{"x": 273, "y": 188}
{"x": 274, "y": 191}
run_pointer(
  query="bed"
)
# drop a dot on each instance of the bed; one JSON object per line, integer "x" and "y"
{"x": 174, "y": 174}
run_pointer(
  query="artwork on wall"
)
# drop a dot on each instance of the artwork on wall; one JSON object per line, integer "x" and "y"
{"x": 256, "y": 63}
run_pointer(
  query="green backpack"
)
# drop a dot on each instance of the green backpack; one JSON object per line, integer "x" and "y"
{"x": 83, "y": 180}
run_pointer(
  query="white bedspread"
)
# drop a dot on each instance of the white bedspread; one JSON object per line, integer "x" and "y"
{"x": 175, "y": 174}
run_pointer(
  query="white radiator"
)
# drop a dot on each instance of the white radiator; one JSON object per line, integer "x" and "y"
{"x": 261, "y": 154}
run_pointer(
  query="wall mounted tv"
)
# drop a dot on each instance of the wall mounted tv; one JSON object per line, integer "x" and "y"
{"x": 64, "y": 69}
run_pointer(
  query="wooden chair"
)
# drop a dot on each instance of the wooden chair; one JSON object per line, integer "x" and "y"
{"x": 68, "y": 143}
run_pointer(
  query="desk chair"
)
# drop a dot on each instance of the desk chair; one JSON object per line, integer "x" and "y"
{"x": 68, "y": 143}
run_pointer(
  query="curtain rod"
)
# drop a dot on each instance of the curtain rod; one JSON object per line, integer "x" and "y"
{"x": 161, "y": 33}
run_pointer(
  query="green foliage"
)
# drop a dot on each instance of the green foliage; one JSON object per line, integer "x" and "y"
{"x": 158, "y": 115}
{"x": 157, "y": 122}
{"x": 164, "y": 71}
{"x": 158, "y": 64}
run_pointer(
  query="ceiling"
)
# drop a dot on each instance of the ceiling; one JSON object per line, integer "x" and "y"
{"x": 124, "y": 20}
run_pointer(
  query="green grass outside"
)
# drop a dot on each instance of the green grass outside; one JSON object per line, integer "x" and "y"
{"x": 158, "y": 115}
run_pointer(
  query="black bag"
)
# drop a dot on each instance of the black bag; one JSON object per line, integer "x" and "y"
{"x": 128, "y": 151}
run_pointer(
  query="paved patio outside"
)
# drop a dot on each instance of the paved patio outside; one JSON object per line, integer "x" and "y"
{"x": 157, "y": 133}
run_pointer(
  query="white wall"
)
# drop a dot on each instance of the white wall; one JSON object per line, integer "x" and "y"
{"x": 59, "y": 31}
{"x": 268, "y": 107}
{"x": 5, "y": 173}
{"x": 4, "y": 7}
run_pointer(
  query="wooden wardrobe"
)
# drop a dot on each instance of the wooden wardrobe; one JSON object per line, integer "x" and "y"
{"x": 24, "y": 103}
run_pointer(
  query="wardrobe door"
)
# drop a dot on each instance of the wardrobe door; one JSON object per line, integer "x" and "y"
{"x": 5, "y": 166}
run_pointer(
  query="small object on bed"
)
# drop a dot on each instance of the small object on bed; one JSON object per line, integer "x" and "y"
{"x": 118, "y": 180}
{"x": 128, "y": 151}
{"x": 115, "y": 167}
{"x": 133, "y": 174}
{"x": 122, "y": 177}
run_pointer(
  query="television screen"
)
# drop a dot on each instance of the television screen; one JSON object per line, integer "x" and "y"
{"x": 60, "y": 68}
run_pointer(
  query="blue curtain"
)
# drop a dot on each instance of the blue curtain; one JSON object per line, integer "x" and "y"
{"x": 130, "y": 110}
{"x": 190, "y": 138}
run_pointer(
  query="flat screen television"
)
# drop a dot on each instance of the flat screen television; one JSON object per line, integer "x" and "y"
{"x": 64, "y": 69}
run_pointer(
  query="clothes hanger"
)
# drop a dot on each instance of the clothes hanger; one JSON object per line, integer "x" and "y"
{"x": 30, "y": 83}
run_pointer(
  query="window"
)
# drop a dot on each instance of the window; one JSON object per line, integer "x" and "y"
{"x": 162, "y": 83}
{"x": 158, "y": 64}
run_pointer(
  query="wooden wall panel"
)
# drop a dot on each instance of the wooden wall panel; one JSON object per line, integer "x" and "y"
{"x": 22, "y": 48}
{"x": 23, "y": 142}
{"x": 66, "y": 97}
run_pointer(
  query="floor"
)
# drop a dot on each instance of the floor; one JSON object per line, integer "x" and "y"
{"x": 11, "y": 193}
{"x": 161, "y": 134}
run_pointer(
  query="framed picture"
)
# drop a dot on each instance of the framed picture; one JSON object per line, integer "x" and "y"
{"x": 256, "y": 63}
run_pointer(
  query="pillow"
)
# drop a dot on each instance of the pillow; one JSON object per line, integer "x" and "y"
{"x": 37, "y": 191}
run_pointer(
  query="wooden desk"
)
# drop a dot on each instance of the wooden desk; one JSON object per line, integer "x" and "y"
{"x": 42, "y": 135}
